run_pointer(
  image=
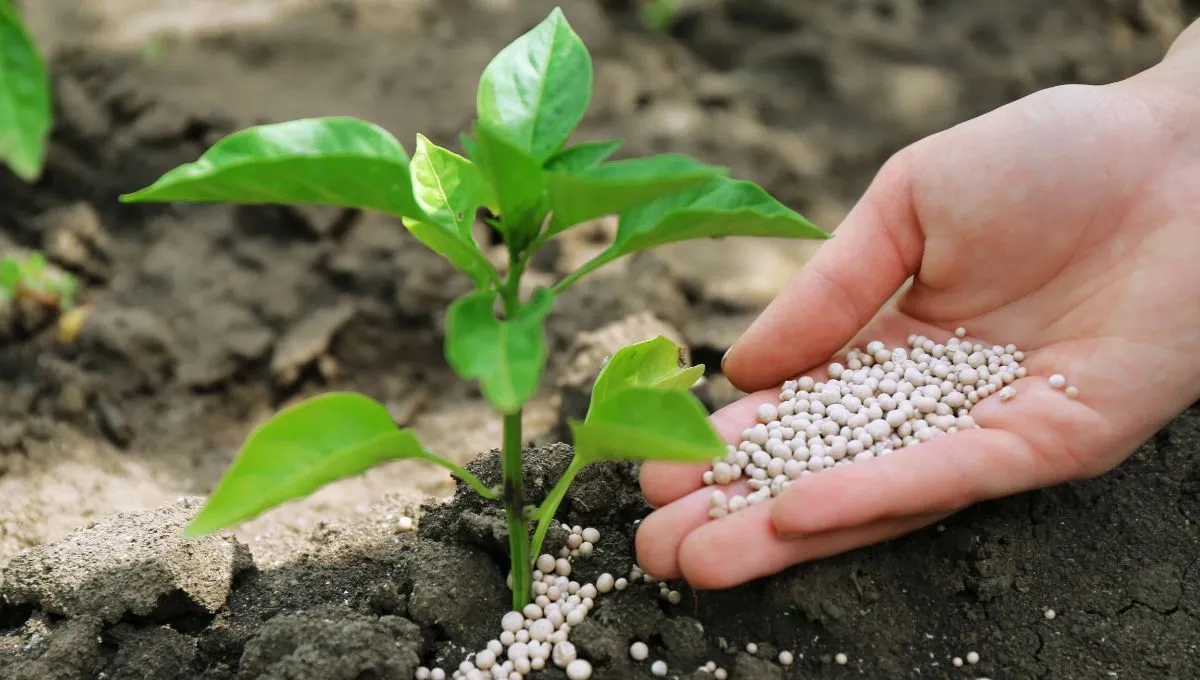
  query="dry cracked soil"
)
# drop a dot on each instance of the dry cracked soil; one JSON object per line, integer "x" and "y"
{"x": 202, "y": 320}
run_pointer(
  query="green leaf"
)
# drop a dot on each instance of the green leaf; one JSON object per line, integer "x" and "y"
{"x": 25, "y": 111}
{"x": 338, "y": 161}
{"x": 448, "y": 187}
{"x": 508, "y": 357}
{"x": 657, "y": 363}
{"x": 464, "y": 255}
{"x": 615, "y": 187}
{"x": 301, "y": 449}
{"x": 537, "y": 89}
{"x": 582, "y": 156}
{"x": 644, "y": 423}
{"x": 723, "y": 207}
{"x": 10, "y": 274}
{"x": 518, "y": 183}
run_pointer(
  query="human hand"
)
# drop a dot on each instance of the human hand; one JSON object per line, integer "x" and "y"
{"x": 1067, "y": 223}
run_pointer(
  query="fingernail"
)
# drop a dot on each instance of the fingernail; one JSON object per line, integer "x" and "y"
{"x": 724, "y": 358}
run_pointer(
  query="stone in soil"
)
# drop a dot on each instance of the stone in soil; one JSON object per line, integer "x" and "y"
{"x": 135, "y": 564}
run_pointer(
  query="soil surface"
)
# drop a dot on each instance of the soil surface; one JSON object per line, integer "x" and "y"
{"x": 203, "y": 320}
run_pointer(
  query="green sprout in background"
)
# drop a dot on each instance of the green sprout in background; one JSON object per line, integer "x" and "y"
{"x": 25, "y": 112}
{"x": 30, "y": 278}
{"x": 658, "y": 15}
{"x": 518, "y": 167}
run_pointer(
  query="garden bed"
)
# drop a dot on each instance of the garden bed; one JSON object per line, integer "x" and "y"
{"x": 203, "y": 320}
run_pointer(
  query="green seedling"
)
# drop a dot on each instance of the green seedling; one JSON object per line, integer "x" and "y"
{"x": 30, "y": 279}
{"x": 532, "y": 187}
{"x": 657, "y": 15}
{"x": 25, "y": 112}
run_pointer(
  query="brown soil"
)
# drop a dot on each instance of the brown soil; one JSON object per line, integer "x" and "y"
{"x": 204, "y": 319}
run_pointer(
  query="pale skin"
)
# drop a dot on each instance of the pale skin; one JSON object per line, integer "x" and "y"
{"x": 1067, "y": 223}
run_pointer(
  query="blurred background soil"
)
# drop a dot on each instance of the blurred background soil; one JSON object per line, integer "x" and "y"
{"x": 205, "y": 319}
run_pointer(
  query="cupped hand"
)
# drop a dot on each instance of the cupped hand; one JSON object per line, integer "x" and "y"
{"x": 1067, "y": 223}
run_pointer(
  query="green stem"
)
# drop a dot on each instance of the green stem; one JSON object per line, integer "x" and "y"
{"x": 514, "y": 511}
{"x": 463, "y": 474}
{"x": 514, "y": 476}
{"x": 588, "y": 267}
{"x": 550, "y": 505}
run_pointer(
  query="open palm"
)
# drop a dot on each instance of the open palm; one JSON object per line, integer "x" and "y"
{"x": 1067, "y": 223}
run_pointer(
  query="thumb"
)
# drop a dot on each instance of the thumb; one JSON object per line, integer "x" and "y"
{"x": 870, "y": 255}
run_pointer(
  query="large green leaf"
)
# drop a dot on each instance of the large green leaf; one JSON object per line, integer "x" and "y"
{"x": 644, "y": 423}
{"x": 338, "y": 161}
{"x": 657, "y": 363}
{"x": 518, "y": 183}
{"x": 720, "y": 208}
{"x": 301, "y": 449}
{"x": 507, "y": 356}
{"x": 615, "y": 187}
{"x": 536, "y": 90}
{"x": 448, "y": 187}
{"x": 724, "y": 207}
{"x": 25, "y": 111}
{"x": 582, "y": 156}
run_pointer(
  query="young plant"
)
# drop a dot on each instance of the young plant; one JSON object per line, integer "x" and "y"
{"x": 31, "y": 279}
{"x": 532, "y": 187}
{"x": 25, "y": 113}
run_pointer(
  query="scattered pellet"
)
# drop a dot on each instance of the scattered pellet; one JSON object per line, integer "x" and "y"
{"x": 579, "y": 669}
{"x": 1072, "y": 392}
{"x": 1050, "y": 614}
{"x": 638, "y": 651}
{"x": 405, "y": 523}
{"x": 786, "y": 658}
{"x": 721, "y": 674}
{"x": 659, "y": 667}
{"x": 751, "y": 648}
{"x": 841, "y": 658}
{"x": 1058, "y": 381}
{"x": 957, "y": 661}
{"x": 972, "y": 657}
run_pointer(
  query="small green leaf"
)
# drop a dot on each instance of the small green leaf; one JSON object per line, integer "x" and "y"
{"x": 536, "y": 90}
{"x": 25, "y": 111}
{"x": 448, "y": 187}
{"x": 644, "y": 423}
{"x": 508, "y": 357}
{"x": 10, "y": 274}
{"x": 518, "y": 183}
{"x": 615, "y": 187}
{"x": 301, "y": 449}
{"x": 582, "y": 156}
{"x": 337, "y": 161}
{"x": 657, "y": 363}
{"x": 465, "y": 256}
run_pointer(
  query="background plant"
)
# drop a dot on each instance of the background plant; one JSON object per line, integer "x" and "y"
{"x": 30, "y": 278}
{"x": 531, "y": 187}
{"x": 25, "y": 112}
